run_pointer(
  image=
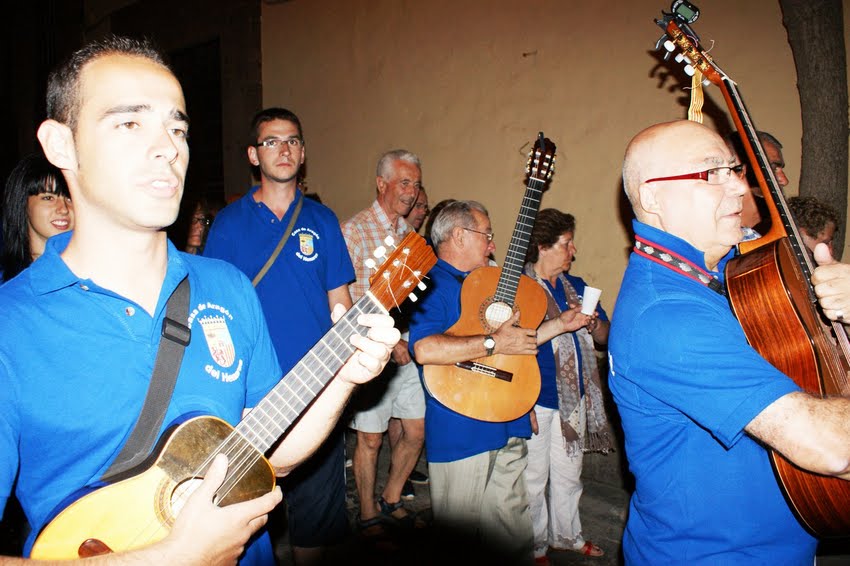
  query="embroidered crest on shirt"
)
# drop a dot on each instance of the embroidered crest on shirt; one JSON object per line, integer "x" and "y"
{"x": 306, "y": 244}
{"x": 218, "y": 340}
{"x": 213, "y": 319}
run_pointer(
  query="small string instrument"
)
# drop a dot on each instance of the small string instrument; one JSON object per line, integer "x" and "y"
{"x": 141, "y": 509}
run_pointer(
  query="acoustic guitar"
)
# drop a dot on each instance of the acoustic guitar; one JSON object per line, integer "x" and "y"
{"x": 142, "y": 508}
{"x": 501, "y": 387}
{"x": 771, "y": 294}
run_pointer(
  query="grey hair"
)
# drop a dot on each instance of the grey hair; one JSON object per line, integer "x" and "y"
{"x": 385, "y": 163}
{"x": 454, "y": 215}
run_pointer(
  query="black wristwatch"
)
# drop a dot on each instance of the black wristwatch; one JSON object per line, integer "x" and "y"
{"x": 490, "y": 344}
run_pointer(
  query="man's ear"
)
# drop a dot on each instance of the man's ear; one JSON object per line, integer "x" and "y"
{"x": 253, "y": 158}
{"x": 381, "y": 183}
{"x": 648, "y": 198}
{"x": 457, "y": 235}
{"x": 57, "y": 140}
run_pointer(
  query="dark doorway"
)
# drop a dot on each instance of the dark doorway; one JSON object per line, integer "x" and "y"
{"x": 199, "y": 70}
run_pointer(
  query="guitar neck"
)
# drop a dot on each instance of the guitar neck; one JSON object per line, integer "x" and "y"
{"x": 276, "y": 412}
{"x": 515, "y": 258}
{"x": 782, "y": 222}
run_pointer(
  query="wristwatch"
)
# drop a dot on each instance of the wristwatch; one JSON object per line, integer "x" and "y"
{"x": 490, "y": 344}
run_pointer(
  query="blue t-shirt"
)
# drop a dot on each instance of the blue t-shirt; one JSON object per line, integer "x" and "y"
{"x": 294, "y": 291}
{"x": 546, "y": 356}
{"x": 686, "y": 383}
{"x": 76, "y": 360}
{"x": 450, "y": 436}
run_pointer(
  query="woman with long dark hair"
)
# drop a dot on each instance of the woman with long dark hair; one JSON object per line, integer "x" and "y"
{"x": 36, "y": 206}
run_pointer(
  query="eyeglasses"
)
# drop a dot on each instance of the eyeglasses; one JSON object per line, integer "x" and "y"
{"x": 488, "y": 235}
{"x": 714, "y": 176}
{"x": 202, "y": 220}
{"x": 422, "y": 206}
{"x": 293, "y": 143}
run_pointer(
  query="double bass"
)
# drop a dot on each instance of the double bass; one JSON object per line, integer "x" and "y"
{"x": 771, "y": 293}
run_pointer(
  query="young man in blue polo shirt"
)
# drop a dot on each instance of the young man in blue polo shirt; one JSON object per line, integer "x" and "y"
{"x": 309, "y": 275}
{"x": 81, "y": 327}
{"x": 697, "y": 403}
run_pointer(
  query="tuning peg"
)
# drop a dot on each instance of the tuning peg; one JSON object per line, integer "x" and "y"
{"x": 689, "y": 70}
{"x": 421, "y": 285}
{"x": 370, "y": 263}
{"x": 679, "y": 58}
{"x": 380, "y": 251}
{"x": 413, "y": 298}
{"x": 389, "y": 241}
{"x": 669, "y": 46}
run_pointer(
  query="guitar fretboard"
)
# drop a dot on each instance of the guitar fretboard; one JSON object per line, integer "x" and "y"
{"x": 515, "y": 258}
{"x": 302, "y": 384}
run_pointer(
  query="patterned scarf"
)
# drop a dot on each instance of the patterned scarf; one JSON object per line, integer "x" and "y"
{"x": 583, "y": 419}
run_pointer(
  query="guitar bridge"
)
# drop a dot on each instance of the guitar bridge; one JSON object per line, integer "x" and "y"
{"x": 486, "y": 370}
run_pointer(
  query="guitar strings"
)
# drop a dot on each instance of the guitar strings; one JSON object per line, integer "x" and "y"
{"x": 241, "y": 452}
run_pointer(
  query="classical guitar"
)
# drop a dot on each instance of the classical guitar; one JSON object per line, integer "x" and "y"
{"x": 141, "y": 509}
{"x": 771, "y": 294}
{"x": 501, "y": 387}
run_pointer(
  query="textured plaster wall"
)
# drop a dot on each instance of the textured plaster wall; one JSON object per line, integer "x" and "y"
{"x": 468, "y": 84}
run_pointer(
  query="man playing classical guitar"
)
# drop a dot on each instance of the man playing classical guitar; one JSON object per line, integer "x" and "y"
{"x": 476, "y": 467}
{"x": 81, "y": 326}
{"x": 698, "y": 404}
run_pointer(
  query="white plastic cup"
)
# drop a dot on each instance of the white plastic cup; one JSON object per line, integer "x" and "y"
{"x": 589, "y": 299}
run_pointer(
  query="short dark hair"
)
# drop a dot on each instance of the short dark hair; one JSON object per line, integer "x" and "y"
{"x": 270, "y": 114}
{"x": 33, "y": 175}
{"x": 548, "y": 227}
{"x": 812, "y": 215}
{"x": 63, "y": 84}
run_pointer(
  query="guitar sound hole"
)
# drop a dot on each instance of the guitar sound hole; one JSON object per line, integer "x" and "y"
{"x": 182, "y": 492}
{"x": 497, "y": 313}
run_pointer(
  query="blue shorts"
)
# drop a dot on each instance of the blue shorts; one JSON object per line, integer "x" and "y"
{"x": 314, "y": 493}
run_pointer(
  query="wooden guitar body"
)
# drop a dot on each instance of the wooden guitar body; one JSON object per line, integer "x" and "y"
{"x": 782, "y": 324}
{"x": 140, "y": 510}
{"x": 481, "y": 391}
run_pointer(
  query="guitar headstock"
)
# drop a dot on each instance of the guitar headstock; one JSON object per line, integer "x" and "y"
{"x": 541, "y": 160}
{"x": 401, "y": 270}
{"x": 689, "y": 52}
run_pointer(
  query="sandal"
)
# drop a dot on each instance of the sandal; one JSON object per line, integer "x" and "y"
{"x": 588, "y": 549}
{"x": 366, "y": 527}
{"x": 387, "y": 510}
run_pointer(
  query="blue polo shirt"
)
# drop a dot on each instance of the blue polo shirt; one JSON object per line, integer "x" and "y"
{"x": 294, "y": 292}
{"x": 686, "y": 383}
{"x": 450, "y": 436}
{"x": 76, "y": 360}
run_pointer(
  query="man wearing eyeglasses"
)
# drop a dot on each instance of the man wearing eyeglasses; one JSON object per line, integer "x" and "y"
{"x": 754, "y": 217}
{"x": 419, "y": 211}
{"x": 697, "y": 403}
{"x": 307, "y": 278}
{"x": 476, "y": 467}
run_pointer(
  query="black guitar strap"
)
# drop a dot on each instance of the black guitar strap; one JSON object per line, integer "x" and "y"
{"x": 173, "y": 340}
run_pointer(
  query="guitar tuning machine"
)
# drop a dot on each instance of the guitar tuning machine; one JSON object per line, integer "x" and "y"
{"x": 389, "y": 241}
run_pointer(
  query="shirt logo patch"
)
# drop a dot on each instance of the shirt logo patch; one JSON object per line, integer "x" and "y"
{"x": 218, "y": 340}
{"x": 306, "y": 242}
{"x": 307, "y": 239}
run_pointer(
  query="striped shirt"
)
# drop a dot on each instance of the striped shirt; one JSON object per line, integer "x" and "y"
{"x": 364, "y": 233}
